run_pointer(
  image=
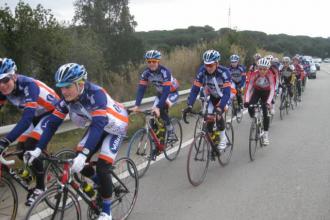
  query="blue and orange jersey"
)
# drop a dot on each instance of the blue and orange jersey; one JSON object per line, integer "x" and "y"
{"x": 94, "y": 109}
{"x": 162, "y": 79}
{"x": 34, "y": 97}
{"x": 238, "y": 75}
{"x": 203, "y": 79}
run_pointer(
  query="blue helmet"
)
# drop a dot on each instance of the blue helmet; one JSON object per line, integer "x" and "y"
{"x": 7, "y": 67}
{"x": 153, "y": 54}
{"x": 234, "y": 58}
{"x": 211, "y": 56}
{"x": 70, "y": 73}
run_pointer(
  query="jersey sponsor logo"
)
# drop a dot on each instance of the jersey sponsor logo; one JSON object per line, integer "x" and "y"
{"x": 50, "y": 98}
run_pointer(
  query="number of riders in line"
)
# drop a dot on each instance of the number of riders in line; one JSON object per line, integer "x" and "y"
{"x": 90, "y": 106}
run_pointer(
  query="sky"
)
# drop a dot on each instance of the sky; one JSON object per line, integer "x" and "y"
{"x": 293, "y": 17}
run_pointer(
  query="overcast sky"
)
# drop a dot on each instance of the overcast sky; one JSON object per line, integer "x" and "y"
{"x": 273, "y": 17}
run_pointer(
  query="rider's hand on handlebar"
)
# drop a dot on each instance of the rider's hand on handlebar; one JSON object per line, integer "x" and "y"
{"x": 156, "y": 111}
{"x": 4, "y": 143}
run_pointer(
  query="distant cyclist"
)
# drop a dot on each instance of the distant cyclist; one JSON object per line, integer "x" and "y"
{"x": 238, "y": 77}
{"x": 166, "y": 86}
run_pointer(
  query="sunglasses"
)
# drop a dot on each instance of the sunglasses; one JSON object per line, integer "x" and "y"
{"x": 263, "y": 69}
{"x": 152, "y": 61}
{"x": 5, "y": 80}
{"x": 210, "y": 65}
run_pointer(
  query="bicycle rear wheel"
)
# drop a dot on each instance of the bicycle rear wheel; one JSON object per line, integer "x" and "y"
{"x": 253, "y": 140}
{"x": 60, "y": 197}
{"x": 172, "y": 148}
{"x": 125, "y": 188}
{"x": 8, "y": 199}
{"x": 140, "y": 150}
{"x": 198, "y": 159}
{"x": 225, "y": 155}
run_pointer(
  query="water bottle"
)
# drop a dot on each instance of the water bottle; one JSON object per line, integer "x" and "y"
{"x": 160, "y": 131}
{"x": 25, "y": 175}
{"x": 88, "y": 189}
{"x": 216, "y": 137}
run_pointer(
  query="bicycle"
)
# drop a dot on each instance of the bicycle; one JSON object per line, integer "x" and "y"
{"x": 149, "y": 142}
{"x": 204, "y": 148}
{"x": 22, "y": 176}
{"x": 69, "y": 189}
{"x": 285, "y": 101}
{"x": 256, "y": 131}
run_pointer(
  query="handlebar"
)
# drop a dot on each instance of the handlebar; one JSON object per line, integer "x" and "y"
{"x": 6, "y": 162}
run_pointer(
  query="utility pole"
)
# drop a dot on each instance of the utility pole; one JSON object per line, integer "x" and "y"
{"x": 229, "y": 17}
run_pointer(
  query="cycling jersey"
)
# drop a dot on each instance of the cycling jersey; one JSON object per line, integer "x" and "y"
{"x": 261, "y": 83}
{"x": 203, "y": 79}
{"x": 94, "y": 108}
{"x": 162, "y": 79}
{"x": 35, "y": 98}
{"x": 299, "y": 71}
{"x": 287, "y": 73}
{"x": 238, "y": 75}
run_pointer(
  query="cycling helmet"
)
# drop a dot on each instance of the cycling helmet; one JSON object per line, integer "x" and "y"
{"x": 257, "y": 56}
{"x": 269, "y": 57}
{"x": 234, "y": 58}
{"x": 7, "y": 67}
{"x": 70, "y": 73}
{"x": 153, "y": 54}
{"x": 211, "y": 56}
{"x": 263, "y": 62}
{"x": 286, "y": 59}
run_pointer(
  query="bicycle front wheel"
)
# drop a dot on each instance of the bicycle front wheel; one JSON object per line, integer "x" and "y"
{"x": 173, "y": 147}
{"x": 198, "y": 125}
{"x": 125, "y": 188}
{"x": 253, "y": 141}
{"x": 8, "y": 199}
{"x": 198, "y": 159}
{"x": 140, "y": 150}
{"x": 40, "y": 209}
{"x": 225, "y": 155}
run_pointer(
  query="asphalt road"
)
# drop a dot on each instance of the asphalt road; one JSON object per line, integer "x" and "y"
{"x": 288, "y": 180}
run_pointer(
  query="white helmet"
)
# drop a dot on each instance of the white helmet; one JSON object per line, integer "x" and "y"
{"x": 263, "y": 62}
{"x": 269, "y": 57}
{"x": 286, "y": 60}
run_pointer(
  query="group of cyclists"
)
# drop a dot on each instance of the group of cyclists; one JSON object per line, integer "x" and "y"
{"x": 89, "y": 105}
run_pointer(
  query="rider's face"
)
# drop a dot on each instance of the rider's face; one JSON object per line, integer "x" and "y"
{"x": 7, "y": 85}
{"x": 71, "y": 92}
{"x": 153, "y": 64}
{"x": 210, "y": 68}
{"x": 234, "y": 64}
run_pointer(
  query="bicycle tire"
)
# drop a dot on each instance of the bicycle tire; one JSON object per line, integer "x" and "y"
{"x": 199, "y": 151}
{"x": 225, "y": 155}
{"x": 140, "y": 150}
{"x": 129, "y": 185}
{"x": 253, "y": 140}
{"x": 41, "y": 210}
{"x": 198, "y": 125}
{"x": 6, "y": 186}
{"x": 172, "y": 149}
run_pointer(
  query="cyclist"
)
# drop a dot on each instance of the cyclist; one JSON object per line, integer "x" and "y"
{"x": 274, "y": 68}
{"x": 287, "y": 74}
{"x": 238, "y": 77}
{"x": 253, "y": 67}
{"x": 37, "y": 101}
{"x": 261, "y": 86}
{"x": 215, "y": 79}
{"x": 166, "y": 86}
{"x": 89, "y": 106}
{"x": 300, "y": 75}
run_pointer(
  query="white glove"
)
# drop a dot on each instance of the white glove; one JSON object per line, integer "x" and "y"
{"x": 78, "y": 163}
{"x": 30, "y": 155}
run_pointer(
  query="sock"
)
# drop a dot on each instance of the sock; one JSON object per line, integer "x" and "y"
{"x": 106, "y": 206}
